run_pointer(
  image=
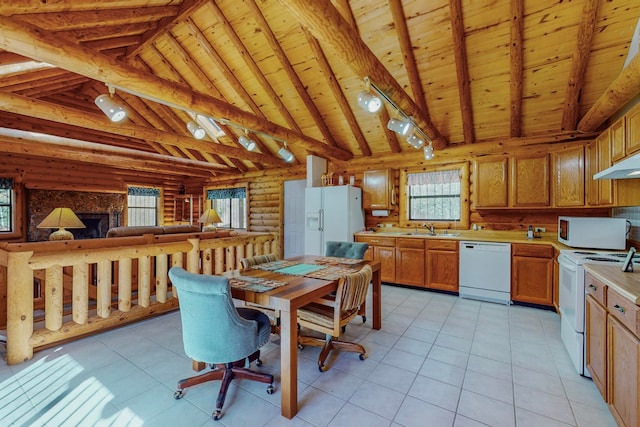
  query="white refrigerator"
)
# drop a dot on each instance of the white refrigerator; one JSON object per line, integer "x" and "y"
{"x": 331, "y": 214}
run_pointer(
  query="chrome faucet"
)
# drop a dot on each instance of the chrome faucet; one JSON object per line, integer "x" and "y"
{"x": 432, "y": 232}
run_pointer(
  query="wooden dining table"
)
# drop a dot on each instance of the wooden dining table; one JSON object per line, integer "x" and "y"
{"x": 298, "y": 291}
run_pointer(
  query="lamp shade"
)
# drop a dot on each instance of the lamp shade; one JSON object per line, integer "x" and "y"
{"x": 61, "y": 218}
{"x": 108, "y": 106}
{"x": 369, "y": 102}
{"x": 210, "y": 216}
{"x": 196, "y": 130}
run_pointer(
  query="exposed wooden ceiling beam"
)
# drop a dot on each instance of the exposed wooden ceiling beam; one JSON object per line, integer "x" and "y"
{"x": 291, "y": 73}
{"x": 336, "y": 90}
{"x": 327, "y": 25}
{"x": 35, "y": 43}
{"x": 20, "y": 142}
{"x": 400, "y": 23}
{"x": 572, "y": 97}
{"x": 622, "y": 90}
{"x": 516, "y": 54}
{"x": 462, "y": 70}
{"x": 56, "y": 113}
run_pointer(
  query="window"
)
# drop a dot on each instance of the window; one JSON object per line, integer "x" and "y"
{"x": 439, "y": 195}
{"x": 231, "y": 206}
{"x": 6, "y": 205}
{"x": 434, "y": 196}
{"x": 142, "y": 206}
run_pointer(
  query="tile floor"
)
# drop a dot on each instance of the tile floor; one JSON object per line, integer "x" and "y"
{"x": 438, "y": 361}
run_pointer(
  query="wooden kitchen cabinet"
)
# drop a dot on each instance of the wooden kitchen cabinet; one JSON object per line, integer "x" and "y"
{"x": 632, "y": 140}
{"x": 410, "y": 262}
{"x": 568, "y": 177}
{"x": 532, "y": 273}
{"x": 597, "y": 158}
{"x": 596, "y": 332}
{"x": 622, "y": 370}
{"x": 381, "y": 249}
{"x": 618, "y": 135}
{"x": 377, "y": 186}
{"x": 442, "y": 264}
{"x": 530, "y": 181}
{"x": 491, "y": 182}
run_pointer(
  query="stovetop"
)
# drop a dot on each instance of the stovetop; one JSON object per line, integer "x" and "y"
{"x": 584, "y": 256}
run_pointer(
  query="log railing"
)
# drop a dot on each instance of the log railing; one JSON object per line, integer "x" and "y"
{"x": 57, "y": 291}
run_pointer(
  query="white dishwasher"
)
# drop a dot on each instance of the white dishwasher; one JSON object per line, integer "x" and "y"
{"x": 485, "y": 271}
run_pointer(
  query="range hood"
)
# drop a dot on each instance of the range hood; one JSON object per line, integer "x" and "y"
{"x": 628, "y": 168}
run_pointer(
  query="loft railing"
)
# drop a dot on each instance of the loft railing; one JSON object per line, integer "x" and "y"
{"x": 57, "y": 291}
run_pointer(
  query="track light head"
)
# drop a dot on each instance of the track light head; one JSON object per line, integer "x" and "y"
{"x": 369, "y": 102}
{"x": 196, "y": 130}
{"x": 109, "y": 107}
{"x": 286, "y": 154}
{"x": 247, "y": 143}
{"x": 400, "y": 126}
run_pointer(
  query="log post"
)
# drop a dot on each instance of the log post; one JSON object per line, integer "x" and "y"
{"x": 193, "y": 256}
{"x": 207, "y": 261}
{"x": 53, "y": 298}
{"x": 144, "y": 281}
{"x": 124, "y": 284}
{"x": 103, "y": 304}
{"x": 219, "y": 260}
{"x": 19, "y": 308}
{"x": 162, "y": 270}
{"x": 80, "y": 297}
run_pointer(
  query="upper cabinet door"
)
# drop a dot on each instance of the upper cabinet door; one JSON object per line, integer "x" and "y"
{"x": 491, "y": 182}
{"x": 632, "y": 143}
{"x": 530, "y": 181}
{"x": 377, "y": 186}
{"x": 568, "y": 179}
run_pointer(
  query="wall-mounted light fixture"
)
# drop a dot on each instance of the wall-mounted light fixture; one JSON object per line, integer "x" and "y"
{"x": 404, "y": 126}
{"x": 196, "y": 130}
{"x": 109, "y": 107}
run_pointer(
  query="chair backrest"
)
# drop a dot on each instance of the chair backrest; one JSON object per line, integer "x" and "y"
{"x": 212, "y": 329}
{"x": 258, "y": 259}
{"x": 353, "y": 250}
{"x": 354, "y": 289}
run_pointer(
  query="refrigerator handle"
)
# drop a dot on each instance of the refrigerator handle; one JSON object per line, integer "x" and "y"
{"x": 321, "y": 224}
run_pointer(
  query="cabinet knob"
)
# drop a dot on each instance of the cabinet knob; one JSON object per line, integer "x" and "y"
{"x": 620, "y": 309}
{"x": 595, "y": 288}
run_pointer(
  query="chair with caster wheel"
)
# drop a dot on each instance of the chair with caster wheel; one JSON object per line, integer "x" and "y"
{"x": 329, "y": 315}
{"x": 217, "y": 333}
{"x": 352, "y": 250}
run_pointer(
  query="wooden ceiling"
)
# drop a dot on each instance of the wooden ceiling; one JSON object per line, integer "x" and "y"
{"x": 466, "y": 71}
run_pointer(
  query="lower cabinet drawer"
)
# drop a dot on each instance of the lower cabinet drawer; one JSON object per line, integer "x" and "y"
{"x": 624, "y": 310}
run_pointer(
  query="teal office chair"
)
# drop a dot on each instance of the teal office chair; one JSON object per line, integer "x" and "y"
{"x": 215, "y": 332}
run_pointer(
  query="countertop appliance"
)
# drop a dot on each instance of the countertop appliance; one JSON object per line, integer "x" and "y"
{"x": 572, "y": 299}
{"x": 485, "y": 271}
{"x": 331, "y": 214}
{"x": 592, "y": 232}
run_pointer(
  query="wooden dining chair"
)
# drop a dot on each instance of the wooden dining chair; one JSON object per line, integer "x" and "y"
{"x": 273, "y": 315}
{"x": 351, "y": 250}
{"x": 330, "y": 315}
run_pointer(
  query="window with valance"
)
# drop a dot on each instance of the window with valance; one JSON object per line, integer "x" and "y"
{"x": 231, "y": 206}
{"x": 142, "y": 206}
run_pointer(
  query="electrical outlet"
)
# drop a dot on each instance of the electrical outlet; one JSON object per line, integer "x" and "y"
{"x": 540, "y": 229}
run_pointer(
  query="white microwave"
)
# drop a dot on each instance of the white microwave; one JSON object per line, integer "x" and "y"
{"x": 594, "y": 233}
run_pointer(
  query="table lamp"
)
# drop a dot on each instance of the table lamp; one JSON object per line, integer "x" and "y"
{"x": 208, "y": 218}
{"x": 61, "y": 218}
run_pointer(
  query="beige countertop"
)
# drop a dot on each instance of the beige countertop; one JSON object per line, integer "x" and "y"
{"x": 626, "y": 284}
{"x": 547, "y": 238}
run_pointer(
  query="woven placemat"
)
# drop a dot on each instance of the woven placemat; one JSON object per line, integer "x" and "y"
{"x": 254, "y": 284}
{"x": 300, "y": 269}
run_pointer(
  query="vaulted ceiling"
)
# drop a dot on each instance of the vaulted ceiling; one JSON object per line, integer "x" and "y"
{"x": 290, "y": 71}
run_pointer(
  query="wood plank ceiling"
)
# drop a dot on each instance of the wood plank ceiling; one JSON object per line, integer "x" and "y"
{"x": 466, "y": 71}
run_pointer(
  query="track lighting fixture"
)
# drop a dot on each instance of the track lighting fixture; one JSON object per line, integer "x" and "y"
{"x": 247, "y": 143}
{"x": 428, "y": 151}
{"x": 369, "y": 102}
{"x": 286, "y": 154}
{"x": 415, "y": 141}
{"x": 109, "y": 107}
{"x": 196, "y": 130}
{"x": 400, "y": 126}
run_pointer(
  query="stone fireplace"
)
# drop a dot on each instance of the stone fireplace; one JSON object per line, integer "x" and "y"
{"x": 98, "y": 212}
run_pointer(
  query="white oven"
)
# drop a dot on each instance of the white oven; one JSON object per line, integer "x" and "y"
{"x": 572, "y": 299}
